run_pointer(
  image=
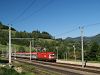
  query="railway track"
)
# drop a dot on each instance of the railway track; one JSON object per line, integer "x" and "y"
{"x": 64, "y": 69}
{"x": 77, "y": 67}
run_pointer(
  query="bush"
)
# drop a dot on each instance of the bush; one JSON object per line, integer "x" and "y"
{"x": 5, "y": 71}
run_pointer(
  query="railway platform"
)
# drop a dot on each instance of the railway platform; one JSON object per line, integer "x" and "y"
{"x": 78, "y": 63}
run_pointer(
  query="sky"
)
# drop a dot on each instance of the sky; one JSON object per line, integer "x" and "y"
{"x": 58, "y": 17}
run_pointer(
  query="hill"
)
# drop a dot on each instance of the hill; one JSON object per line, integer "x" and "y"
{"x": 95, "y": 38}
{"x": 21, "y": 34}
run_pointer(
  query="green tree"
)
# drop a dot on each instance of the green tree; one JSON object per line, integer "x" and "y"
{"x": 45, "y": 35}
{"x": 21, "y": 49}
{"x": 93, "y": 52}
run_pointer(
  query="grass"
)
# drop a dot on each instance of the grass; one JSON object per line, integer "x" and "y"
{"x": 3, "y": 60}
{"x": 6, "y": 71}
{"x": 11, "y": 71}
{"x": 4, "y": 48}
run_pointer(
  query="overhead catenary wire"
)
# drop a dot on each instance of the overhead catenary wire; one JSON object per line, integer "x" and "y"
{"x": 74, "y": 29}
{"x": 89, "y": 25}
{"x": 44, "y": 6}
{"x": 20, "y": 15}
{"x": 36, "y": 11}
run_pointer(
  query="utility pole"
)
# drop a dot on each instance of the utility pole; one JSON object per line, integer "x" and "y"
{"x": 15, "y": 53}
{"x": 9, "y": 45}
{"x": 57, "y": 52}
{"x": 33, "y": 43}
{"x": 81, "y": 29}
{"x": 66, "y": 55}
{"x": 30, "y": 49}
{"x": 74, "y": 52}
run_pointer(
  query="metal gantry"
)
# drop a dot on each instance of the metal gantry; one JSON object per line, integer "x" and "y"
{"x": 30, "y": 49}
{"x": 74, "y": 52}
{"x": 57, "y": 52}
{"x": 10, "y": 50}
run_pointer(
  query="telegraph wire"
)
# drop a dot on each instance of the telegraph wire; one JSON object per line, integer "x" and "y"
{"x": 14, "y": 20}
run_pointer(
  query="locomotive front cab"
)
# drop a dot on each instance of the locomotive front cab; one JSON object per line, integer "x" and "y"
{"x": 52, "y": 57}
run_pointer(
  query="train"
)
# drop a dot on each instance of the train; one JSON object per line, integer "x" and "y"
{"x": 45, "y": 56}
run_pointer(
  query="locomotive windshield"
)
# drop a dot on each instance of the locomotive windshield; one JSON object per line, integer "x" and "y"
{"x": 52, "y": 55}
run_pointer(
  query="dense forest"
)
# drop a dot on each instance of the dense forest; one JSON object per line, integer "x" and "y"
{"x": 45, "y": 40}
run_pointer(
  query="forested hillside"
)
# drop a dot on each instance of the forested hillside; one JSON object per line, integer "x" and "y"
{"x": 45, "y": 40}
{"x": 21, "y": 34}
